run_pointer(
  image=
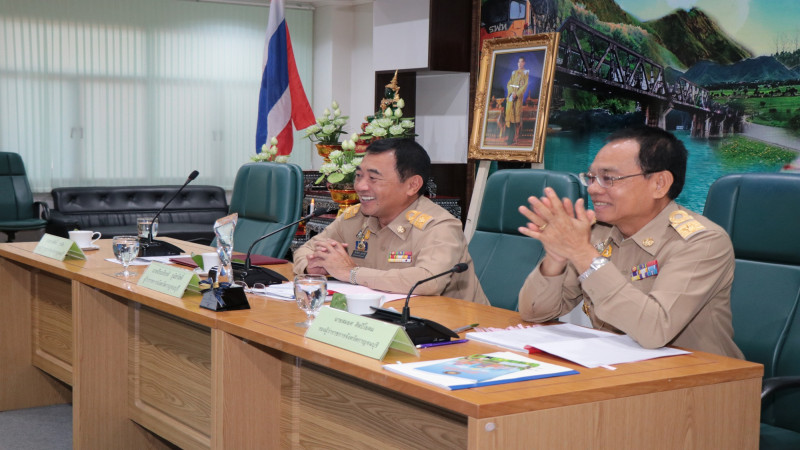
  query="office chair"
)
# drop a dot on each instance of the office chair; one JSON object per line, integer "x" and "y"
{"x": 266, "y": 196}
{"x": 761, "y": 213}
{"x": 502, "y": 256}
{"x": 18, "y": 211}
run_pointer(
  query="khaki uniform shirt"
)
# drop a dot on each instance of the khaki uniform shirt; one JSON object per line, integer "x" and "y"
{"x": 687, "y": 303}
{"x": 424, "y": 240}
{"x": 517, "y": 85}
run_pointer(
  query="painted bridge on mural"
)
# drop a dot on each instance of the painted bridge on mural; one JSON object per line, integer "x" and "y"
{"x": 590, "y": 60}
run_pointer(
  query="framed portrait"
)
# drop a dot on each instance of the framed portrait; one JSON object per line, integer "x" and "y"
{"x": 512, "y": 100}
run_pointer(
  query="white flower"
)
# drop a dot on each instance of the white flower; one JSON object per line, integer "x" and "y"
{"x": 273, "y": 141}
{"x": 340, "y": 122}
{"x": 398, "y": 113}
{"x": 334, "y": 105}
{"x": 407, "y": 123}
{"x": 348, "y": 168}
{"x": 328, "y": 168}
{"x": 384, "y": 123}
{"x": 357, "y": 161}
{"x": 401, "y": 103}
{"x": 337, "y": 112}
{"x": 378, "y": 131}
{"x": 354, "y": 137}
{"x": 396, "y": 130}
{"x": 326, "y": 113}
{"x": 328, "y": 129}
{"x": 369, "y": 128}
{"x": 282, "y": 159}
{"x": 336, "y": 154}
{"x": 387, "y": 112}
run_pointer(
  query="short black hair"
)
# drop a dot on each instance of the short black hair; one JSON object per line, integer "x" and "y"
{"x": 658, "y": 150}
{"x": 410, "y": 158}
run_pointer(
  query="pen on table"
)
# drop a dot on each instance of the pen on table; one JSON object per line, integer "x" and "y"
{"x": 437, "y": 344}
{"x": 465, "y": 328}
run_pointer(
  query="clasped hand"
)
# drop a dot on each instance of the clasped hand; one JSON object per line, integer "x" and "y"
{"x": 563, "y": 229}
{"x": 330, "y": 258}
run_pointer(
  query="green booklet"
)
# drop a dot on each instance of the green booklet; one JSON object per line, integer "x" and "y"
{"x": 479, "y": 370}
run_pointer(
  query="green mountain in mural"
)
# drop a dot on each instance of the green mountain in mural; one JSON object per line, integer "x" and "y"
{"x": 693, "y": 36}
{"x": 688, "y": 36}
{"x": 761, "y": 69}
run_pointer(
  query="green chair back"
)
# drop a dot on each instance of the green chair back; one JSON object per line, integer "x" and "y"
{"x": 502, "y": 256}
{"x": 18, "y": 211}
{"x": 266, "y": 196}
{"x": 761, "y": 213}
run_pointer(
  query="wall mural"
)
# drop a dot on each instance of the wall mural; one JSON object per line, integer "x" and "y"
{"x": 723, "y": 75}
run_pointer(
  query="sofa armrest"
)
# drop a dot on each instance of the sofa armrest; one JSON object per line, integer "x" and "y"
{"x": 60, "y": 224}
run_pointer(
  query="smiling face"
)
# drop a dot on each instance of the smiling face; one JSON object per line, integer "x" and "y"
{"x": 631, "y": 202}
{"x": 382, "y": 193}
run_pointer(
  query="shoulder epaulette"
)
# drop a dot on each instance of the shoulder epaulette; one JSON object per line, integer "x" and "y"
{"x": 685, "y": 224}
{"x": 418, "y": 219}
{"x": 351, "y": 211}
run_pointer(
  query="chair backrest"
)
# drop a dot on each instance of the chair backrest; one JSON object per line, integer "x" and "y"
{"x": 761, "y": 213}
{"x": 16, "y": 202}
{"x": 266, "y": 196}
{"x": 502, "y": 256}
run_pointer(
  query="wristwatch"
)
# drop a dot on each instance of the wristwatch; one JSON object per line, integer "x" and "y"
{"x": 353, "y": 273}
{"x": 596, "y": 264}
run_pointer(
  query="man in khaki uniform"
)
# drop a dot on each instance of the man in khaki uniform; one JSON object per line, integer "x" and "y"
{"x": 648, "y": 267}
{"x": 516, "y": 87}
{"x": 395, "y": 236}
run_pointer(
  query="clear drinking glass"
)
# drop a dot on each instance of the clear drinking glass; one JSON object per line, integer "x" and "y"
{"x": 143, "y": 225}
{"x": 126, "y": 248}
{"x": 310, "y": 292}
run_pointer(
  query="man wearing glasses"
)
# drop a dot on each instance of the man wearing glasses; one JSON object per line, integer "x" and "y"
{"x": 641, "y": 263}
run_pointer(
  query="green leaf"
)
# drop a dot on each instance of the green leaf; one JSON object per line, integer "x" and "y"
{"x": 339, "y": 301}
{"x": 335, "y": 178}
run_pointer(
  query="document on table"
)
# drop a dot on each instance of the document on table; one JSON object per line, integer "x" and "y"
{"x": 285, "y": 291}
{"x": 584, "y": 346}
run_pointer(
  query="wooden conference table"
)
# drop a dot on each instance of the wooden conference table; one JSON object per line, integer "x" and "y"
{"x": 142, "y": 368}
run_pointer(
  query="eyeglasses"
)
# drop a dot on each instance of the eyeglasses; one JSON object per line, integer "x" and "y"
{"x": 603, "y": 180}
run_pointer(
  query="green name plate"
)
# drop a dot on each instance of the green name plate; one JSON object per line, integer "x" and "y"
{"x": 58, "y": 248}
{"x": 169, "y": 280}
{"x": 362, "y": 335}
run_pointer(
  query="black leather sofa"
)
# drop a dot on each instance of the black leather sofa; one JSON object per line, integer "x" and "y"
{"x": 112, "y": 210}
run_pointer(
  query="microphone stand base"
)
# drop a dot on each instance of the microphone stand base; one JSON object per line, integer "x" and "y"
{"x": 158, "y": 248}
{"x": 421, "y": 331}
{"x": 256, "y": 274}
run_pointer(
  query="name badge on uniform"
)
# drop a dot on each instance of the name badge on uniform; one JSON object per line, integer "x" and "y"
{"x": 361, "y": 244}
{"x": 644, "y": 270}
{"x": 401, "y": 257}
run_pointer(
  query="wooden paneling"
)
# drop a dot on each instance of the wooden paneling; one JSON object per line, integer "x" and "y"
{"x": 170, "y": 376}
{"x": 100, "y": 375}
{"x": 700, "y": 418}
{"x": 52, "y": 326}
{"x": 333, "y": 410}
{"x": 23, "y": 385}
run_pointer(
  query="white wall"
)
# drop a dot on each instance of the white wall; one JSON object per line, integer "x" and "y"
{"x": 343, "y": 69}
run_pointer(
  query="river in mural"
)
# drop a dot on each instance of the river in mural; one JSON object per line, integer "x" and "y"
{"x": 570, "y": 152}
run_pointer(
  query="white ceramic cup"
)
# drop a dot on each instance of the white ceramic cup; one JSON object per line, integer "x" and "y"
{"x": 84, "y": 238}
{"x": 360, "y": 303}
{"x": 210, "y": 260}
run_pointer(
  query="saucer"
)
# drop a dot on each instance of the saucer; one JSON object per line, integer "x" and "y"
{"x": 91, "y": 247}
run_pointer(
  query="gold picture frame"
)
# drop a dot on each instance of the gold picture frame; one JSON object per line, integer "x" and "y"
{"x": 511, "y": 107}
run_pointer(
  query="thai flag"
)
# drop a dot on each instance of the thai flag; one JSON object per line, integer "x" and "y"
{"x": 282, "y": 100}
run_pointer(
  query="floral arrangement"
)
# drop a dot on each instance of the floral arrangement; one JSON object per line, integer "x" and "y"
{"x": 342, "y": 168}
{"x": 270, "y": 154}
{"x": 329, "y": 126}
{"x": 388, "y": 123}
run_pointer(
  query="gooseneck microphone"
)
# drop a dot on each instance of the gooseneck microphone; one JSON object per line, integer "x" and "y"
{"x": 161, "y": 248}
{"x": 254, "y": 274}
{"x": 458, "y": 268}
